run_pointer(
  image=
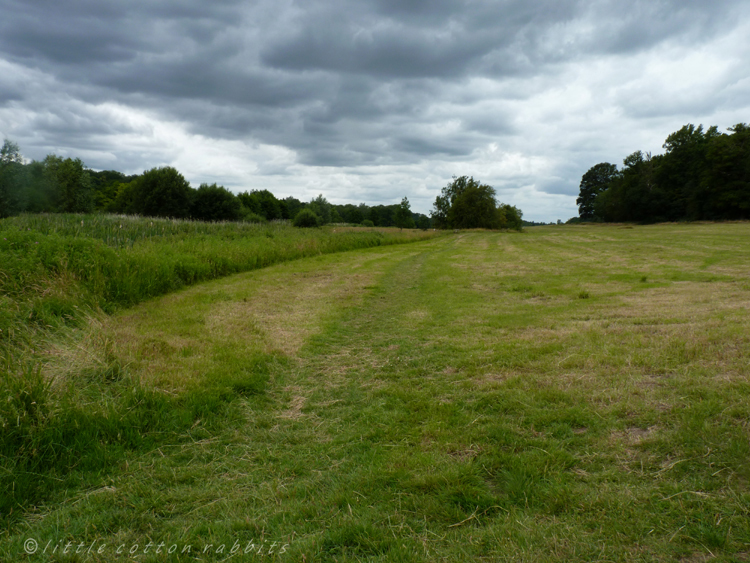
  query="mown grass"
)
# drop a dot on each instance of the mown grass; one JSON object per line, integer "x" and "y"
{"x": 455, "y": 399}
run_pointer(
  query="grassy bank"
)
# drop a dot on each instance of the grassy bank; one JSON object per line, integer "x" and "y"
{"x": 54, "y": 269}
{"x": 566, "y": 394}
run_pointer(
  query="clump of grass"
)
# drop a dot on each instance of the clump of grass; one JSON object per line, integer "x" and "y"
{"x": 522, "y": 288}
{"x": 583, "y": 294}
{"x": 57, "y": 436}
{"x": 24, "y": 412}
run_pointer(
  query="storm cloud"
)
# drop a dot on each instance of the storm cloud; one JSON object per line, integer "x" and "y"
{"x": 370, "y": 100}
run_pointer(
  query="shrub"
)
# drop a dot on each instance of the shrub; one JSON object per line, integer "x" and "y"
{"x": 367, "y": 223}
{"x": 248, "y": 216}
{"x": 306, "y": 218}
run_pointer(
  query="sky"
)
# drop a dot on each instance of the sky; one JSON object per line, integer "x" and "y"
{"x": 370, "y": 100}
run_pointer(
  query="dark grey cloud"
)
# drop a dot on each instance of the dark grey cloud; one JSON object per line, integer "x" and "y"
{"x": 387, "y": 51}
{"x": 524, "y": 91}
{"x": 418, "y": 39}
{"x": 639, "y": 25}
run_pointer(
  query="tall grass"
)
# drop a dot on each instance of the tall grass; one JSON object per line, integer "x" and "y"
{"x": 120, "y": 231}
{"x": 59, "y": 437}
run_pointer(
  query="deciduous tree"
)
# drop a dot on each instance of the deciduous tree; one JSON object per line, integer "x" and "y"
{"x": 595, "y": 181}
{"x": 322, "y": 208}
{"x": 402, "y": 217}
{"x": 75, "y": 187}
{"x": 162, "y": 192}
{"x": 215, "y": 203}
{"x": 465, "y": 203}
{"x": 11, "y": 163}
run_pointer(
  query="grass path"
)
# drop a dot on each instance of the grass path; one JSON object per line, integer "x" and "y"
{"x": 567, "y": 394}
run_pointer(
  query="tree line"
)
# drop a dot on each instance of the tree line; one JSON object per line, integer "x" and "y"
{"x": 702, "y": 175}
{"x": 65, "y": 185}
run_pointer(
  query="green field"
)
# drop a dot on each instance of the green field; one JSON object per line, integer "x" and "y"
{"x": 574, "y": 393}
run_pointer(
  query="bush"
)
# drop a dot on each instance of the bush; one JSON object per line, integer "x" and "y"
{"x": 248, "y": 216}
{"x": 367, "y": 223}
{"x": 306, "y": 218}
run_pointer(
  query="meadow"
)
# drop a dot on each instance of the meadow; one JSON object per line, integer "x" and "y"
{"x": 570, "y": 393}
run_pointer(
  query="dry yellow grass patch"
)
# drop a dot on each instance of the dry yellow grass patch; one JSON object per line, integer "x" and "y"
{"x": 418, "y": 314}
{"x": 284, "y": 324}
{"x": 633, "y": 435}
{"x": 170, "y": 341}
{"x": 687, "y": 300}
{"x": 294, "y": 412}
{"x": 80, "y": 353}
